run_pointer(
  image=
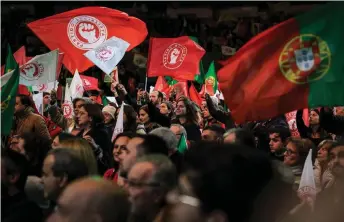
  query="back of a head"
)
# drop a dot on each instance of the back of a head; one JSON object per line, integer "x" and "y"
{"x": 152, "y": 145}
{"x": 219, "y": 131}
{"x": 15, "y": 163}
{"x": 242, "y": 137}
{"x": 167, "y": 135}
{"x": 227, "y": 177}
{"x": 36, "y": 147}
{"x": 66, "y": 163}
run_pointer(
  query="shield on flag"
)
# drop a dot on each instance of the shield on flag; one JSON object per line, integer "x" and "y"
{"x": 304, "y": 59}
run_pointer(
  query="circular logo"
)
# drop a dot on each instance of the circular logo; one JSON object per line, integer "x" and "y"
{"x": 67, "y": 109}
{"x": 210, "y": 81}
{"x": 305, "y": 58}
{"x": 32, "y": 71}
{"x": 174, "y": 56}
{"x": 86, "y": 32}
{"x": 42, "y": 87}
{"x": 105, "y": 53}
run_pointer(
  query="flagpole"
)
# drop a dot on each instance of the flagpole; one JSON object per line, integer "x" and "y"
{"x": 146, "y": 84}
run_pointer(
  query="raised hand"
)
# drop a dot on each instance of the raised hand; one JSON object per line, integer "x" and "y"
{"x": 174, "y": 55}
{"x": 88, "y": 32}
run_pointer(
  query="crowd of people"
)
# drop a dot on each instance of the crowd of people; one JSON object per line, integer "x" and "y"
{"x": 70, "y": 169}
{"x": 59, "y": 169}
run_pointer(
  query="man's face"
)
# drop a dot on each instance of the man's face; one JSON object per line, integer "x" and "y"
{"x": 275, "y": 142}
{"x": 180, "y": 109}
{"x": 153, "y": 96}
{"x": 128, "y": 157}
{"x": 18, "y": 106}
{"x": 209, "y": 135}
{"x": 176, "y": 130}
{"x": 141, "y": 194}
{"x": 51, "y": 183}
{"x": 46, "y": 99}
{"x": 337, "y": 159}
{"x": 313, "y": 118}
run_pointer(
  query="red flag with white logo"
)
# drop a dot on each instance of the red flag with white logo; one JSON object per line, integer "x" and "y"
{"x": 89, "y": 83}
{"x": 175, "y": 57}
{"x": 78, "y": 31}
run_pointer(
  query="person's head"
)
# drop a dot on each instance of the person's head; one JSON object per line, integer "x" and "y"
{"x": 129, "y": 118}
{"x": 314, "y": 117}
{"x": 240, "y": 136}
{"x": 92, "y": 94}
{"x": 166, "y": 108}
{"x": 46, "y": 98}
{"x": 60, "y": 137}
{"x": 339, "y": 111}
{"x": 278, "y": 137}
{"x": 297, "y": 151}
{"x": 22, "y": 102}
{"x": 186, "y": 109}
{"x": 144, "y": 114}
{"x": 78, "y": 102}
{"x": 178, "y": 130}
{"x": 149, "y": 180}
{"x": 168, "y": 136}
{"x": 120, "y": 145}
{"x": 213, "y": 133}
{"x": 61, "y": 167}
{"x": 138, "y": 146}
{"x": 204, "y": 109}
{"x": 90, "y": 200}
{"x": 211, "y": 189}
{"x": 34, "y": 146}
{"x": 323, "y": 150}
{"x": 14, "y": 172}
{"x": 83, "y": 150}
{"x": 90, "y": 115}
{"x": 337, "y": 160}
{"x": 156, "y": 97}
{"x": 109, "y": 113}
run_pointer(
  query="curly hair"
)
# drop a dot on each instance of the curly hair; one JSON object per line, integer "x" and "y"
{"x": 191, "y": 112}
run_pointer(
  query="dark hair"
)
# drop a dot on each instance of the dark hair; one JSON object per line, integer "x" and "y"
{"x": 65, "y": 136}
{"x": 124, "y": 134}
{"x": 227, "y": 177}
{"x": 169, "y": 107}
{"x": 283, "y": 132}
{"x": 26, "y": 100}
{"x": 191, "y": 112}
{"x": 302, "y": 147}
{"x": 243, "y": 137}
{"x": 151, "y": 145}
{"x": 45, "y": 94}
{"x": 68, "y": 164}
{"x": 130, "y": 125}
{"x": 95, "y": 112}
{"x": 15, "y": 163}
{"x": 36, "y": 149}
{"x": 160, "y": 95}
{"x": 84, "y": 99}
{"x": 219, "y": 131}
{"x": 145, "y": 108}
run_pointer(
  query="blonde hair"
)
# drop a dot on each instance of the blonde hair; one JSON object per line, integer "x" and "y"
{"x": 84, "y": 151}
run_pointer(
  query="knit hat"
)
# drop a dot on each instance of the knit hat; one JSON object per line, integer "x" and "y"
{"x": 110, "y": 110}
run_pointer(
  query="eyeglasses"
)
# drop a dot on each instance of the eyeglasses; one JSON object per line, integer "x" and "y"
{"x": 137, "y": 184}
{"x": 289, "y": 152}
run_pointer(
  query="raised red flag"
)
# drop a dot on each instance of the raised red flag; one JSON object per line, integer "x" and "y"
{"x": 195, "y": 96}
{"x": 175, "y": 57}
{"x": 162, "y": 86}
{"x": 90, "y": 83}
{"x": 77, "y": 31}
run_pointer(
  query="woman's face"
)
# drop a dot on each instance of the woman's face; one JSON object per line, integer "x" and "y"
{"x": 204, "y": 109}
{"x": 291, "y": 156}
{"x": 83, "y": 118}
{"x": 313, "y": 118}
{"x": 144, "y": 118}
{"x": 120, "y": 144}
{"x": 164, "y": 109}
{"x": 107, "y": 117}
{"x": 180, "y": 108}
{"x": 323, "y": 153}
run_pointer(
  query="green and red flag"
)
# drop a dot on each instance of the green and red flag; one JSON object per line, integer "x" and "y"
{"x": 8, "y": 100}
{"x": 293, "y": 65}
{"x": 210, "y": 80}
{"x": 10, "y": 60}
{"x": 182, "y": 144}
{"x": 105, "y": 102}
{"x": 175, "y": 57}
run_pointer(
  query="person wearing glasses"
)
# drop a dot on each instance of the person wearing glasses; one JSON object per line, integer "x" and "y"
{"x": 149, "y": 181}
{"x": 295, "y": 156}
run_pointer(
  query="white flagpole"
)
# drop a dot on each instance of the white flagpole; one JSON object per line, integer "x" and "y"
{"x": 146, "y": 83}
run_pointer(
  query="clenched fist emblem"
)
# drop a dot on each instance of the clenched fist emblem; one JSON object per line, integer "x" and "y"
{"x": 88, "y": 32}
{"x": 174, "y": 55}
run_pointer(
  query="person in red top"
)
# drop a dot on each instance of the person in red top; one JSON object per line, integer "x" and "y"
{"x": 120, "y": 144}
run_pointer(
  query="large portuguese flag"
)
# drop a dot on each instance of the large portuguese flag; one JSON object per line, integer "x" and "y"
{"x": 296, "y": 64}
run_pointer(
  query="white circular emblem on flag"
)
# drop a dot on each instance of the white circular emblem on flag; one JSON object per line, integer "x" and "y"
{"x": 67, "y": 109}
{"x": 86, "y": 32}
{"x": 32, "y": 71}
{"x": 105, "y": 53}
{"x": 86, "y": 82}
{"x": 174, "y": 56}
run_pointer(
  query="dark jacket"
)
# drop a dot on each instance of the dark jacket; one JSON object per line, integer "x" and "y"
{"x": 157, "y": 117}
{"x": 331, "y": 123}
{"x": 220, "y": 115}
